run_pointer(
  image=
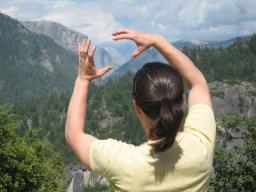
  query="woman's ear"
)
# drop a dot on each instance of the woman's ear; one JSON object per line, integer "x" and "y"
{"x": 136, "y": 107}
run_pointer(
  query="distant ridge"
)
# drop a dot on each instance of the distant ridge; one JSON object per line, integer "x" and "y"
{"x": 196, "y": 42}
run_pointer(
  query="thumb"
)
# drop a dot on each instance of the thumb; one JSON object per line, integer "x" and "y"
{"x": 136, "y": 52}
{"x": 103, "y": 70}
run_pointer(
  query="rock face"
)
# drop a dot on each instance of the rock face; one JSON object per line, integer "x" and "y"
{"x": 233, "y": 97}
{"x": 62, "y": 35}
{"x": 108, "y": 56}
{"x": 115, "y": 56}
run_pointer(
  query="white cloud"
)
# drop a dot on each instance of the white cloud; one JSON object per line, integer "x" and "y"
{"x": 194, "y": 13}
{"x": 209, "y": 19}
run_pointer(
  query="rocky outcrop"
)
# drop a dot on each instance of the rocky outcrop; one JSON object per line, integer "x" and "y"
{"x": 233, "y": 97}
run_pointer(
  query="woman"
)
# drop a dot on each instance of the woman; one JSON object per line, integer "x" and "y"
{"x": 170, "y": 160}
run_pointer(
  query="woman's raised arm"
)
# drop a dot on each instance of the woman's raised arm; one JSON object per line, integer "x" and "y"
{"x": 74, "y": 131}
{"x": 199, "y": 92}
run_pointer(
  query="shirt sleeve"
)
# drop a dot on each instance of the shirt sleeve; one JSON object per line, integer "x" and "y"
{"x": 107, "y": 157}
{"x": 201, "y": 122}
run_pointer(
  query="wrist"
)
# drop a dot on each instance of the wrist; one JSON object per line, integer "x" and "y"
{"x": 162, "y": 45}
{"x": 158, "y": 41}
{"x": 82, "y": 82}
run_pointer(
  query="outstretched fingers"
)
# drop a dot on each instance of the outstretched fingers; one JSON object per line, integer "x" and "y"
{"x": 86, "y": 45}
{"x": 123, "y": 34}
{"x": 92, "y": 52}
{"x": 103, "y": 70}
{"x": 87, "y": 68}
{"x": 137, "y": 52}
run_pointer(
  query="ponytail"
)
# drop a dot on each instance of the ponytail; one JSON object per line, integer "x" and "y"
{"x": 163, "y": 134}
{"x": 158, "y": 89}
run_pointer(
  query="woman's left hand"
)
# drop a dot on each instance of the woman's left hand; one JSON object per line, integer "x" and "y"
{"x": 87, "y": 69}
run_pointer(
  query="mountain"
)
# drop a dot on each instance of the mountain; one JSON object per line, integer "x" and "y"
{"x": 31, "y": 64}
{"x": 108, "y": 56}
{"x": 69, "y": 39}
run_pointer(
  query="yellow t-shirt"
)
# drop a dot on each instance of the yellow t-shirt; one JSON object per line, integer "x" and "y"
{"x": 186, "y": 166}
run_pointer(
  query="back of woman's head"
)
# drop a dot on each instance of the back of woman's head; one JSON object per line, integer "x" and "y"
{"x": 158, "y": 90}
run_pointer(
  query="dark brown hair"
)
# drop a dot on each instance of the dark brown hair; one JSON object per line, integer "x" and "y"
{"x": 158, "y": 89}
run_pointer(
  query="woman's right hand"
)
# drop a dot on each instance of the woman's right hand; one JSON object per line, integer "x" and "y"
{"x": 142, "y": 40}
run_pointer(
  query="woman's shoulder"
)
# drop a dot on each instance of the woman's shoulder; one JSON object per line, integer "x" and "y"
{"x": 200, "y": 121}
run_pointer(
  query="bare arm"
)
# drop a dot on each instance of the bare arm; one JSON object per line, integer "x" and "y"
{"x": 199, "y": 92}
{"x": 74, "y": 131}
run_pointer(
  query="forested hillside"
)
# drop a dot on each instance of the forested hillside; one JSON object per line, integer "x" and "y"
{"x": 30, "y": 64}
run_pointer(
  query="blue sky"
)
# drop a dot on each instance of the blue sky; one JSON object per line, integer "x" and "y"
{"x": 175, "y": 19}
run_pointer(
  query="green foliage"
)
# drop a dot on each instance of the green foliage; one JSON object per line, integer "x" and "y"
{"x": 28, "y": 163}
{"x": 235, "y": 169}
